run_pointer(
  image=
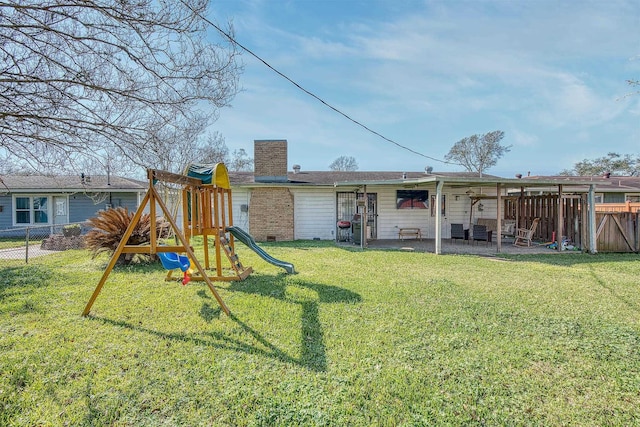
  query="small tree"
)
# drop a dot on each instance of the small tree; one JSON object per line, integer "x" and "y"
{"x": 478, "y": 153}
{"x": 613, "y": 162}
{"x": 344, "y": 163}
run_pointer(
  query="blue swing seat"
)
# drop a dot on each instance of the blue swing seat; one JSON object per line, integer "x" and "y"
{"x": 171, "y": 260}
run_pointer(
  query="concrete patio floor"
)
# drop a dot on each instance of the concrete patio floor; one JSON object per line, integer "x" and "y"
{"x": 458, "y": 247}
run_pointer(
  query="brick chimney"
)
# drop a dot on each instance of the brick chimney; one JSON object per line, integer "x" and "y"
{"x": 270, "y": 160}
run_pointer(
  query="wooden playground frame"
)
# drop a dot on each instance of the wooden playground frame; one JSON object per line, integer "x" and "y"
{"x": 207, "y": 211}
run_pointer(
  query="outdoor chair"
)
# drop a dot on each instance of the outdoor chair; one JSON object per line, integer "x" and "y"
{"x": 457, "y": 232}
{"x": 526, "y": 234}
{"x": 480, "y": 233}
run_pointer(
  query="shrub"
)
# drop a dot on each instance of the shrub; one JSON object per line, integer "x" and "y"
{"x": 110, "y": 225}
{"x": 71, "y": 230}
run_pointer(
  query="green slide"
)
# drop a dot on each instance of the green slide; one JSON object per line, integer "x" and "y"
{"x": 248, "y": 240}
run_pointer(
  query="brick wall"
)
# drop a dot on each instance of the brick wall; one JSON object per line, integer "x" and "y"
{"x": 271, "y": 214}
{"x": 270, "y": 160}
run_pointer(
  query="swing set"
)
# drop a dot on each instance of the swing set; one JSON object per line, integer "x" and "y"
{"x": 206, "y": 212}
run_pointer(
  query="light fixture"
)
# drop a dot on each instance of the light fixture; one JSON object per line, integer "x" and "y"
{"x": 480, "y": 207}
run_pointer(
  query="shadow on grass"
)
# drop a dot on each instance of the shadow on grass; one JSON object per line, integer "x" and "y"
{"x": 20, "y": 281}
{"x": 218, "y": 340}
{"x": 602, "y": 283}
{"x": 313, "y": 352}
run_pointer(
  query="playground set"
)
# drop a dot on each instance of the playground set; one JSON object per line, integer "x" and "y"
{"x": 206, "y": 211}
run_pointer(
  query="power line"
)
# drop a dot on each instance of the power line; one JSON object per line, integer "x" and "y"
{"x": 313, "y": 95}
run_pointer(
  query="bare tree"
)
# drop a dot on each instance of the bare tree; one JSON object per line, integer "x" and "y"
{"x": 240, "y": 161}
{"x": 214, "y": 150}
{"x": 478, "y": 153}
{"x": 344, "y": 163}
{"x": 80, "y": 79}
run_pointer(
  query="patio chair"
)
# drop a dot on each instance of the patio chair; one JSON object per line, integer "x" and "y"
{"x": 480, "y": 233}
{"x": 457, "y": 232}
{"x": 526, "y": 234}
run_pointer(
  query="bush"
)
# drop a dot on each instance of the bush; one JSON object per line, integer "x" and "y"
{"x": 71, "y": 230}
{"x": 109, "y": 228}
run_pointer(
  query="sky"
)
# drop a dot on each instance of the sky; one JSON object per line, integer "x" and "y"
{"x": 425, "y": 74}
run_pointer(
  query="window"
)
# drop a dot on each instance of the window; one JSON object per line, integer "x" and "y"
{"x": 31, "y": 210}
{"x": 443, "y": 211}
{"x": 412, "y": 199}
{"x": 599, "y": 198}
{"x": 633, "y": 198}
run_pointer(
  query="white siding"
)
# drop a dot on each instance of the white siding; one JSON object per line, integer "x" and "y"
{"x": 314, "y": 213}
{"x": 390, "y": 219}
{"x": 239, "y": 197}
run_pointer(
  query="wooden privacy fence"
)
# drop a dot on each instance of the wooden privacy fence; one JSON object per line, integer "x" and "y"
{"x": 617, "y": 231}
{"x": 618, "y": 207}
{"x": 617, "y": 224}
{"x": 525, "y": 209}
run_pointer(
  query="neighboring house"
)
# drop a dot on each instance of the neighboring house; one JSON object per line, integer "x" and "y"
{"x": 273, "y": 203}
{"x": 36, "y": 200}
{"x": 609, "y": 188}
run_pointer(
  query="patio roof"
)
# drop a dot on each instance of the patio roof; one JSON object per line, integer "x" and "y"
{"x": 582, "y": 184}
{"x": 577, "y": 184}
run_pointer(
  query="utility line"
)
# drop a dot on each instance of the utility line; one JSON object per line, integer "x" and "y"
{"x": 250, "y": 52}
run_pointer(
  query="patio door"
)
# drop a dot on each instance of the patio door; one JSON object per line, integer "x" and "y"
{"x": 348, "y": 209}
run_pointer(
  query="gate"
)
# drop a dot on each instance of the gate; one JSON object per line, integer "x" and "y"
{"x": 617, "y": 231}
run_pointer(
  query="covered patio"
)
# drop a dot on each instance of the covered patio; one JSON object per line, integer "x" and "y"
{"x": 498, "y": 189}
{"x": 452, "y": 247}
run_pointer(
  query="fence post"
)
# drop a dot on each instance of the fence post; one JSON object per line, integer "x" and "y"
{"x": 26, "y": 247}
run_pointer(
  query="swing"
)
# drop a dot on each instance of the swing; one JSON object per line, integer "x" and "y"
{"x": 171, "y": 260}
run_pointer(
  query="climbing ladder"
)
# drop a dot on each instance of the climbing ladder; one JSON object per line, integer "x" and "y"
{"x": 240, "y": 270}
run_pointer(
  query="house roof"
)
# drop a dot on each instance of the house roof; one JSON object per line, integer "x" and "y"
{"x": 416, "y": 179}
{"x": 100, "y": 183}
{"x": 68, "y": 183}
{"x": 612, "y": 184}
{"x": 338, "y": 178}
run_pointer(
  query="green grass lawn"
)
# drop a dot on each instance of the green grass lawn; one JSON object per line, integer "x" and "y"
{"x": 355, "y": 338}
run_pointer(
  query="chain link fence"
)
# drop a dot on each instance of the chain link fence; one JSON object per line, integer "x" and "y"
{"x": 30, "y": 242}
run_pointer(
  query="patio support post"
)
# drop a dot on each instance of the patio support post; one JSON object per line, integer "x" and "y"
{"x": 439, "y": 185}
{"x": 499, "y": 218}
{"x": 591, "y": 223}
{"x": 560, "y": 219}
{"x": 364, "y": 220}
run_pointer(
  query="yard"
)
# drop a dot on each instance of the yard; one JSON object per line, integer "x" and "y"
{"x": 355, "y": 338}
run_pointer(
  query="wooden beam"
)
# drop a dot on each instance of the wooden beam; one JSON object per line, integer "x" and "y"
{"x": 116, "y": 253}
{"x": 174, "y": 178}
